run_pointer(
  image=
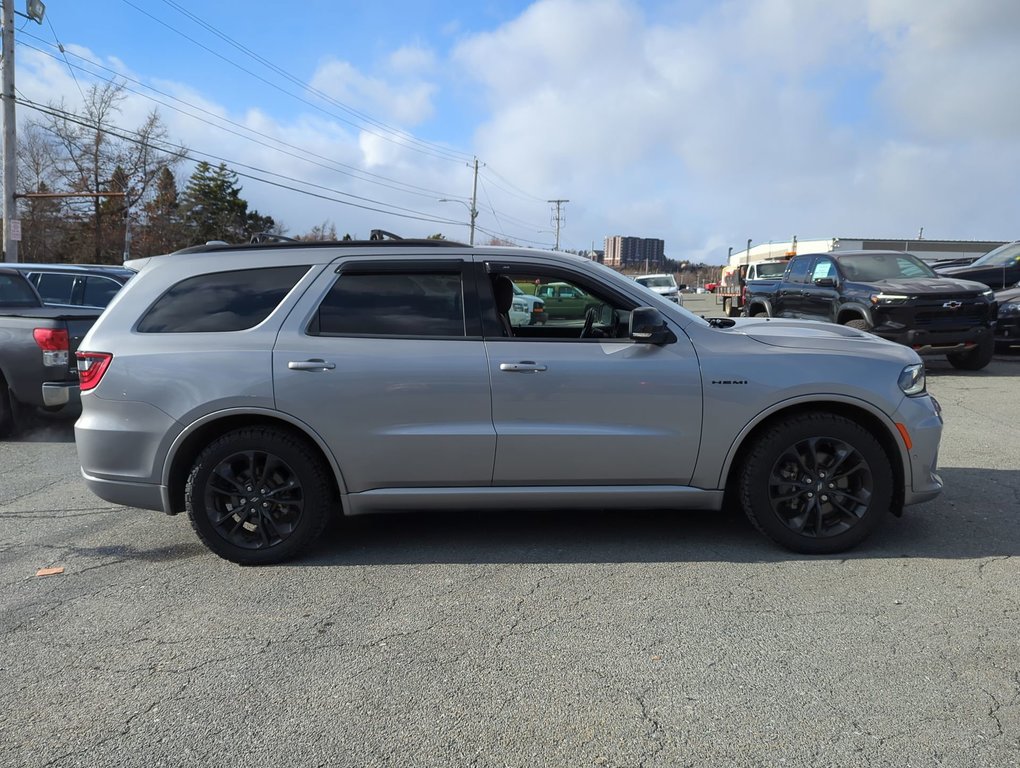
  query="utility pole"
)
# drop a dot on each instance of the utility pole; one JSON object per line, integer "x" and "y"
{"x": 11, "y": 235}
{"x": 474, "y": 203}
{"x": 12, "y": 226}
{"x": 558, "y": 220}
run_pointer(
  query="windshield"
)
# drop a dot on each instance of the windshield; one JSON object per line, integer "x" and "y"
{"x": 772, "y": 269}
{"x": 999, "y": 257}
{"x": 657, "y": 281}
{"x": 884, "y": 266}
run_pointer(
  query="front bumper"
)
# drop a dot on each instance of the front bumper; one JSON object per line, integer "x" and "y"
{"x": 925, "y": 341}
{"x": 922, "y": 418}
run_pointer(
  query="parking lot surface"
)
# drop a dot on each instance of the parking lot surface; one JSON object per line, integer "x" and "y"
{"x": 573, "y": 639}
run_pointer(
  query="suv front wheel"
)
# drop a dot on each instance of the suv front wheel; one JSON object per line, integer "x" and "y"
{"x": 258, "y": 495}
{"x": 816, "y": 483}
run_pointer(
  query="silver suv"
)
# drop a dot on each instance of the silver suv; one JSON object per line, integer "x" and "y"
{"x": 264, "y": 388}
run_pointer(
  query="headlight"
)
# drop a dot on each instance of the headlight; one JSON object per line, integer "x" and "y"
{"x": 911, "y": 379}
{"x": 1011, "y": 308}
{"x": 887, "y": 298}
{"x": 989, "y": 293}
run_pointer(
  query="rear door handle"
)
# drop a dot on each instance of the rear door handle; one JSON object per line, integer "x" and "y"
{"x": 525, "y": 366}
{"x": 310, "y": 365}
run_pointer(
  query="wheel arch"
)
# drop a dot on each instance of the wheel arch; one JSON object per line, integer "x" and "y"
{"x": 854, "y": 312}
{"x": 190, "y": 442}
{"x": 880, "y": 426}
{"x": 757, "y": 303}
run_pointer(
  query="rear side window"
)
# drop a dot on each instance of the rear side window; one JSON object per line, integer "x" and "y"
{"x": 393, "y": 304}
{"x": 55, "y": 288}
{"x": 99, "y": 291}
{"x": 221, "y": 301}
{"x": 799, "y": 270}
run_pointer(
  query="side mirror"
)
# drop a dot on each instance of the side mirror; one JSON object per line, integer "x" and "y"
{"x": 826, "y": 282}
{"x": 648, "y": 326}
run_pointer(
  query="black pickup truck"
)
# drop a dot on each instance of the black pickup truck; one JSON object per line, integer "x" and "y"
{"x": 37, "y": 345}
{"x": 889, "y": 293}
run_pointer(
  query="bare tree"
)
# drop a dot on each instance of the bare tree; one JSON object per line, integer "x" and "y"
{"x": 91, "y": 155}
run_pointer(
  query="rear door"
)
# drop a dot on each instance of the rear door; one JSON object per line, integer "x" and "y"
{"x": 384, "y": 359}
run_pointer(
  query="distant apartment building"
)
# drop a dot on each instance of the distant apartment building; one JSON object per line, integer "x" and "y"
{"x": 638, "y": 252}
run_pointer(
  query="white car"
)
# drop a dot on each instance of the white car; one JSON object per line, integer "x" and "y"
{"x": 664, "y": 285}
{"x": 526, "y": 309}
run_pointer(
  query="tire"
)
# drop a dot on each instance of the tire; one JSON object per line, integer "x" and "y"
{"x": 759, "y": 312}
{"x": 975, "y": 359}
{"x": 786, "y": 495}
{"x": 276, "y": 518}
{"x": 8, "y": 411}
{"x": 859, "y": 324}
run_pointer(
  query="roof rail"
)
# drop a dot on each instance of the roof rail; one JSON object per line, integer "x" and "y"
{"x": 270, "y": 237}
{"x": 380, "y": 242}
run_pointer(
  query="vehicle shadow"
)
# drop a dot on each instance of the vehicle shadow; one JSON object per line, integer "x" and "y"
{"x": 976, "y": 517}
{"x": 1004, "y": 364}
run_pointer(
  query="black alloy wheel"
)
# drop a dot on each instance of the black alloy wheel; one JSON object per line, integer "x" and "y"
{"x": 817, "y": 483}
{"x": 258, "y": 496}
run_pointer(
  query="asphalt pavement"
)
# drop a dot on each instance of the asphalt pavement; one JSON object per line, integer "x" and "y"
{"x": 574, "y": 639}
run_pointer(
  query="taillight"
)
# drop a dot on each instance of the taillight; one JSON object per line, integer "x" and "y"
{"x": 54, "y": 345}
{"x": 91, "y": 367}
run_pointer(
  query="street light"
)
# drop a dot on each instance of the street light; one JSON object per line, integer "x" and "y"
{"x": 472, "y": 212}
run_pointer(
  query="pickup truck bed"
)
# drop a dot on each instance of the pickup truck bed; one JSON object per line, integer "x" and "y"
{"x": 37, "y": 363}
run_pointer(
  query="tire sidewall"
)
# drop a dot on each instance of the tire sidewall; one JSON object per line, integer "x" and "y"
{"x": 770, "y": 446}
{"x": 306, "y": 466}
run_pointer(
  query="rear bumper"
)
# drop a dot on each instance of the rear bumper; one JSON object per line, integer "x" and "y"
{"x": 142, "y": 495}
{"x": 58, "y": 393}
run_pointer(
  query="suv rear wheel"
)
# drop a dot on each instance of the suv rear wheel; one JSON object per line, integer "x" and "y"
{"x": 258, "y": 496}
{"x": 816, "y": 483}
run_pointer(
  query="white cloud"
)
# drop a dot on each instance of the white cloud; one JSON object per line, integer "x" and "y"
{"x": 760, "y": 118}
{"x": 408, "y": 102}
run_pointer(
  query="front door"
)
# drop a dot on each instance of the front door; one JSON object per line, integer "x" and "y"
{"x": 598, "y": 410}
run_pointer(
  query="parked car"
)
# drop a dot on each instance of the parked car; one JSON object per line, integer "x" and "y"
{"x": 75, "y": 285}
{"x": 564, "y": 301}
{"x": 889, "y": 293}
{"x": 381, "y": 376}
{"x": 526, "y": 309}
{"x": 1007, "y": 327}
{"x": 663, "y": 284}
{"x": 37, "y": 346}
{"x": 997, "y": 269}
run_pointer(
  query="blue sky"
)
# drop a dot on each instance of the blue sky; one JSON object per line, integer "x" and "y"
{"x": 701, "y": 123}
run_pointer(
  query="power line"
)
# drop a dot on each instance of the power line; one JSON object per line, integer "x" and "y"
{"x": 445, "y": 155}
{"x": 114, "y": 131}
{"x": 304, "y": 155}
{"x": 306, "y": 86}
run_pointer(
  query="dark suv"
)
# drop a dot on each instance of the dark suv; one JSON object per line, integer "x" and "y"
{"x": 75, "y": 285}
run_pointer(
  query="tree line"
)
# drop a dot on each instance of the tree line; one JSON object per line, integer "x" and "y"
{"x": 91, "y": 193}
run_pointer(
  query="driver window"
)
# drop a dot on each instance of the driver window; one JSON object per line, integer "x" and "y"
{"x": 551, "y": 307}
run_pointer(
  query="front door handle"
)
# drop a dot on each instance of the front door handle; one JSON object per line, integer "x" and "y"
{"x": 525, "y": 366}
{"x": 310, "y": 365}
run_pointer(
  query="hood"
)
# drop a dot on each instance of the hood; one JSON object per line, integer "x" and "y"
{"x": 930, "y": 286}
{"x": 1008, "y": 294}
{"x": 819, "y": 336}
{"x": 663, "y": 290}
